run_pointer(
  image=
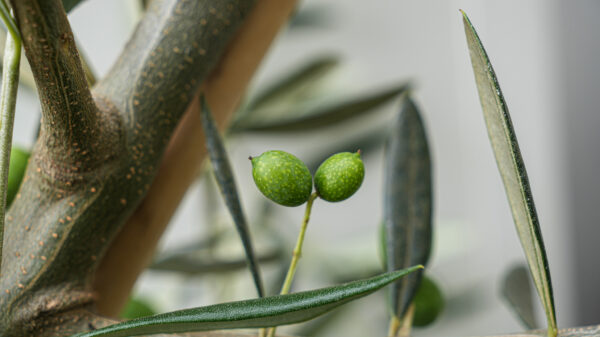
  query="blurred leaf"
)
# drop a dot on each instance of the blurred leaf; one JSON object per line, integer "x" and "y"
{"x": 226, "y": 182}
{"x": 210, "y": 193}
{"x": 286, "y": 93}
{"x": 136, "y": 308}
{"x": 517, "y": 291}
{"x": 260, "y": 312}
{"x": 407, "y": 202}
{"x": 466, "y": 301}
{"x": 512, "y": 169}
{"x": 383, "y": 244}
{"x": 191, "y": 264}
{"x": 70, "y": 4}
{"x": 16, "y": 171}
{"x": 198, "y": 247}
{"x": 342, "y": 110}
{"x": 297, "y": 81}
{"x": 312, "y": 16}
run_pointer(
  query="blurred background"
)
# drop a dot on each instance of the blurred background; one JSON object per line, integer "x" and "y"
{"x": 545, "y": 55}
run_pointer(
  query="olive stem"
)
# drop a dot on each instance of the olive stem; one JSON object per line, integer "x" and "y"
{"x": 296, "y": 253}
{"x": 394, "y": 326}
{"x": 8, "y": 99}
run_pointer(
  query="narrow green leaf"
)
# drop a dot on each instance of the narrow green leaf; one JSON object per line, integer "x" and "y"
{"x": 313, "y": 16}
{"x": 334, "y": 113}
{"x": 191, "y": 264}
{"x": 512, "y": 169}
{"x": 254, "y": 313}
{"x": 407, "y": 202}
{"x": 517, "y": 291}
{"x": 226, "y": 182}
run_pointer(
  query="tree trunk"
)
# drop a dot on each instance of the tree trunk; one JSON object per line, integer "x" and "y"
{"x": 94, "y": 172}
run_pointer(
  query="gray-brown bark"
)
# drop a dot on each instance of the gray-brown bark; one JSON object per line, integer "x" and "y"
{"x": 96, "y": 157}
{"x": 223, "y": 90}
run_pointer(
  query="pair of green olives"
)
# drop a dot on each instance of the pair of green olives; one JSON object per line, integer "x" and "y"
{"x": 286, "y": 180}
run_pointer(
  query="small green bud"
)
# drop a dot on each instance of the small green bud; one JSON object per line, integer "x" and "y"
{"x": 282, "y": 177}
{"x": 340, "y": 176}
{"x": 429, "y": 302}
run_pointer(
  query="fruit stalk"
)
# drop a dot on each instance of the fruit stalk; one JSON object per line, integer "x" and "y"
{"x": 296, "y": 253}
{"x": 298, "y": 249}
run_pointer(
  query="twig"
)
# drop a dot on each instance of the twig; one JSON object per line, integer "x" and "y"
{"x": 297, "y": 252}
{"x": 8, "y": 99}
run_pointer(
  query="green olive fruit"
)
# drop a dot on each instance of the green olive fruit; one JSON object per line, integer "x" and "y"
{"x": 16, "y": 172}
{"x": 339, "y": 176}
{"x": 429, "y": 302}
{"x": 282, "y": 177}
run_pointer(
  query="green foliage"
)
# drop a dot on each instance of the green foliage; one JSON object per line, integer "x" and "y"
{"x": 340, "y": 176}
{"x": 282, "y": 177}
{"x": 262, "y": 312}
{"x": 300, "y": 84}
{"x": 224, "y": 175}
{"x": 16, "y": 171}
{"x": 512, "y": 170}
{"x": 407, "y": 202}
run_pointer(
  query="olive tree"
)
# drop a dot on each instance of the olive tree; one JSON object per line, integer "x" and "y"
{"x": 113, "y": 160}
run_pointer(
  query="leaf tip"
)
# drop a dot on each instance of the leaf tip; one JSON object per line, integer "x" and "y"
{"x": 466, "y": 19}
